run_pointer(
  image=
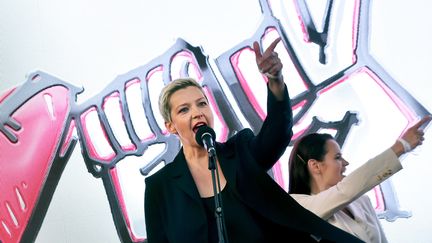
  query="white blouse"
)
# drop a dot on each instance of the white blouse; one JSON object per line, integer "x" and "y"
{"x": 349, "y": 193}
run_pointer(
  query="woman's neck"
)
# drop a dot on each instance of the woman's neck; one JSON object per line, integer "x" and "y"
{"x": 317, "y": 187}
{"x": 195, "y": 155}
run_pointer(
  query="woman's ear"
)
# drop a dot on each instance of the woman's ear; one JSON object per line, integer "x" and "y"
{"x": 314, "y": 166}
{"x": 170, "y": 127}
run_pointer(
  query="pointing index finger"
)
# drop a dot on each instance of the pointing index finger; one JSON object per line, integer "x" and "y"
{"x": 423, "y": 121}
{"x": 272, "y": 46}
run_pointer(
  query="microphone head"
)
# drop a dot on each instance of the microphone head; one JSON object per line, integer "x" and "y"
{"x": 204, "y": 131}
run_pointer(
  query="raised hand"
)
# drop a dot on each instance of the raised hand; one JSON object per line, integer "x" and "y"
{"x": 414, "y": 136}
{"x": 270, "y": 65}
{"x": 268, "y": 62}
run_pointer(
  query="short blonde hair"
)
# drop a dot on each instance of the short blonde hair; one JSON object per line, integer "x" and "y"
{"x": 169, "y": 90}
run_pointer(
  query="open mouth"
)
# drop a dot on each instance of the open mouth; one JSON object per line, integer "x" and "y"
{"x": 198, "y": 125}
{"x": 343, "y": 173}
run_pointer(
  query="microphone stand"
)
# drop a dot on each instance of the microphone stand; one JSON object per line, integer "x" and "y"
{"x": 220, "y": 222}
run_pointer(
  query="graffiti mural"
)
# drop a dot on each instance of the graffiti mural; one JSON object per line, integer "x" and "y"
{"x": 328, "y": 70}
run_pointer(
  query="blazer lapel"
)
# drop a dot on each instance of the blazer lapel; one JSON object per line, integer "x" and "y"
{"x": 182, "y": 177}
{"x": 227, "y": 162}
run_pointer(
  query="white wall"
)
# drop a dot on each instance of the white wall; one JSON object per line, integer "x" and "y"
{"x": 89, "y": 43}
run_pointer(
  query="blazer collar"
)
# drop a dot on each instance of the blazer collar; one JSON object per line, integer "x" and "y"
{"x": 227, "y": 162}
{"x": 182, "y": 177}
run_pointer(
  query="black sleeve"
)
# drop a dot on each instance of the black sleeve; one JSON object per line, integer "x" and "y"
{"x": 276, "y": 131}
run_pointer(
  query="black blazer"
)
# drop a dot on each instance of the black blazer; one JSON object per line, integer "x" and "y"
{"x": 173, "y": 208}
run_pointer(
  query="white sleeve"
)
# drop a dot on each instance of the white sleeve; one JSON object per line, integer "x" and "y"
{"x": 360, "y": 181}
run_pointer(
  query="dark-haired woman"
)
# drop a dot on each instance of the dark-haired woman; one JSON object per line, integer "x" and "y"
{"x": 318, "y": 183}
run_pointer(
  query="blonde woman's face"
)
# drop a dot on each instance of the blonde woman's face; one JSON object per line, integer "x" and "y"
{"x": 189, "y": 109}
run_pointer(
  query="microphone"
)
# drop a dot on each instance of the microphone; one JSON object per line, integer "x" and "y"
{"x": 205, "y": 136}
